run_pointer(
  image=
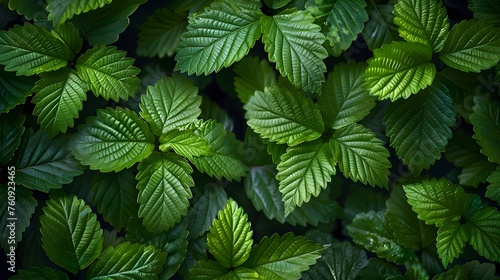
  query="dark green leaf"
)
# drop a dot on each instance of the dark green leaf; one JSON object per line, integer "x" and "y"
{"x": 59, "y": 11}
{"x": 493, "y": 190}
{"x": 252, "y": 74}
{"x": 40, "y": 273}
{"x": 380, "y": 28}
{"x": 486, "y": 121}
{"x": 320, "y": 209}
{"x": 13, "y": 89}
{"x": 11, "y": 129}
{"x": 484, "y": 229}
{"x": 205, "y": 209}
{"x": 486, "y": 10}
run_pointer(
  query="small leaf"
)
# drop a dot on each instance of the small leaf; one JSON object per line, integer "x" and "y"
{"x": 252, "y": 74}
{"x": 486, "y": 122}
{"x": 399, "y": 69}
{"x": 71, "y": 234}
{"x": 11, "y": 129}
{"x": 13, "y": 89}
{"x": 485, "y": 10}
{"x": 40, "y": 273}
{"x": 185, "y": 143}
{"x": 295, "y": 120}
{"x": 109, "y": 73}
{"x": 451, "y": 238}
{"x": 59, "y": 11}
{"x": 113, "y": 140}
{"x": 202, "y": 212}
{"x": 484, "y": 228}
{"x": 493, "y": 190}
{"x": 128, "y": 261}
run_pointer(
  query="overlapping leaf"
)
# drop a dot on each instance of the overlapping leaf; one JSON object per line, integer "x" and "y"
{"x": 380, "y": 28}
{"x": 486, "y": 10}
{"x": 493, "y": 190}
{"x": 451, "y": 239}
{"x": 185, "y": 143}
{"x": 11, "y": 127}
{"x": 208, "y": 269}
{"x": 109, "y": 73}
{"x": 472, "y": 46}
{"x": 13, "y": 89}
{"x": 486, "y": 121}
{"x": 71, "y": 234}
{"x": 70, "y": 35}
{"x": 40, "y": 273}
{"x": 295, "y": 120}
{"x": 484, "y": 227}
{"x": 248, "y": 79}
{"x": 219, "y": 36}
{"x": 60, "y": 11}
{"x": 276, "y": 4}
{"x": 164, "y": 190}
{"x": 202, "y": 212}
{"x": 31, "y": 9}
{"x": 294, "y": 43}
{"x": 112, "y": 140}
{"x": 319, "y": 209}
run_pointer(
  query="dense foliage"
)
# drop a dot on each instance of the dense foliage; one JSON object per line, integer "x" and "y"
{"x": 247, "y": 139}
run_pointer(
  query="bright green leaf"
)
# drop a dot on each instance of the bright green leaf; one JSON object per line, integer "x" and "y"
{"x": 11, "y": 129}
{"x": 484, "y": 228}
{"x": 60, "y": 11}
{"x": 185, "y": 143}
{"x": 493, "y": 190}
{"x": 13, "y": 89}
{"x": 486, "y": 122}
{"x": 40, "y": 273}
{"x": 451, "y": 238}
{"x": 71, "y": 234}
{"x": 202, "y": 212}
{"x": 252, "y": 74}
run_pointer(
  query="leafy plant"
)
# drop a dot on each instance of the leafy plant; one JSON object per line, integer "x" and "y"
{"x": 274, "y": 139}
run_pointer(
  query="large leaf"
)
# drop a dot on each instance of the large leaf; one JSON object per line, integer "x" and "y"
{"x": 361, "y": 155}
{"x": 343, "y": 21}
{"x": 164, "y": 190}
{"x": 344, "y": 99}
{"x": 112, "y": 140}
{"x": 437, "y": 201}
{"x": 486, "y": 10}
{"x": 109, "y": 73}
{"x": 484, "y": 227}
{"x": 71, "y": 234}
{"x": 380, "y": 28}
{"x": 283, "y": 257}
{"x": 60, "y": 11}
{"x": 451, "y": 238}
{"x": 219, "y": 36}
{"x": 295, "y": 120}
{"x": 419, "y": 127}
{"x": 472, "y": 46}
{"x": 44, "y": 164}
{"x": 13, "y": 89}
{"x": 128, "y": 261}
{"x": 304, "y": 170}
{"x": 248, "y": 79}
{"x": 70, "y": 35}
{"x": 294, "y": 43}
{"x": 202, "y": 212}
{"x": 170, "y": 103}
{"x": 59, "y": 98}
{"x": 161, "y": 33}
{"x": 486, "y": 121}
{"x": 493, "y": 190}
{"x": 399, "y": 69}
{"x": 422, "y": 21}
{"x": 31, "y": 49}
{"x": 11, "y": 129}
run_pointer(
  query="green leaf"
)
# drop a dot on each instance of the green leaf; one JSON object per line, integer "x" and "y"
{"x": 185, "y": 143}
{"x": 363, "y": 199}
{"x": 70, "y": 35}
{"x": 320, "y": 209}
{"x": 164, "y": 190}
{"x": 344, "y": 21}
{"x": 202, "y": 212}
{"x": 480, "y": 271}
{"x": 113, "y": 140}
{"x": 30, "y": 9}
{"x": 372, "y": 231}
{"x": 59, "y": 11}
{"x": 276, "y": 4}
{"x": 211, "y": 110}
{"x": 109, "y": 73}
{"x": 208, "y": 269}
{"x": 31, "y": 49}
{"x": 304, "y": 170}
{"x": 493, "y": 190}
{"x": 399, "y": 69}
{"x": 230, "y": 237}
{"x": 283, "y": 257}
{"x": 71, "y": 234}
{"x": 457, "y": 272}
{"x": 59, "y": 98}
{"x": 219, "y": 36}
{"x": 226, "y": 160}
{"x": 252, "y": 74}
{"x": 11, "y": 128}
{"x": 44, "y": 164}
{"x": 296, "y": 120}
{"x": 419, "y": 127}
{"x": 422, "y": 21}
{"x": 161, "y": 33}
{"x": 102, "y": 26}
{"x": 344, "y": 99}
{"x": 13, "y": 89}
{"x": 471, "y": 46}
{"x": 172, "y": 102}
{"x": 437, "y": 201}
{"x": 380, "y": 28}
{"x": 484, "y": 228}
{"x": 361, "y": 155}
{"x": 115, "y": 196}
{"x": 294, "y": 43}
{"x": 451, "y": 238}
{"x": 486, "y": 122}
{"x": 40, "y": 273}
{"x": 128, "y": 261}
{"x": 378, "y": 269}
{"x": 486, "y": 10}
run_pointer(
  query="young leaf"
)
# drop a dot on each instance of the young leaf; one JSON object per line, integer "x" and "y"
{"x": 164, "y": 190}
{"x": 283, "y": 257}
{"x": 59, "y": 11}
{"x": 486, "y": 122}
{"x": 486, "y": 10}
{"x": 40, "y": 273}
{"x": 161, "y": 33}
{"x": 30, "y": 49}
{"x": 202, "y": 213}
{"x": 58, "y": 99}
{"x": 493, "y": 190}
{"x": 471, "y": 46}
{"x": 419, "y": 127}
{"x": 295, "y": 120}
{"x": 372, "y": 231}
{"x": 399, "y": 70}
{"x": 11, "y": 128}
{"x": 437, "y": 201}
{"x": 484, "y": 229}
{"x": 71, "y": 234}
{"x": 128, "y": 261}
{"x": 422, "y": 21}
{"x": 219, "y": 36}
{"x": 230, "y": 237}
{"x": 185, "y": 143}
{"x": 451, "y": 238}
{"x": 294, "y": 43}
{"x": 109, "y": 73}
{"x": 304, "y": 170}
{"x": 44, "y": 164}
{"x": 13, "y": 89}
{"x": 252, "y": 74}
{"x": 380, "y": 28}
{"x": 344, "y": 99}
{"x": 361, "y": 155}
{"x": 172, "y": 102}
